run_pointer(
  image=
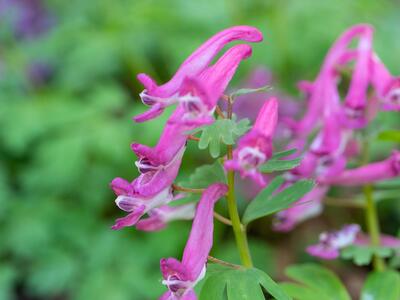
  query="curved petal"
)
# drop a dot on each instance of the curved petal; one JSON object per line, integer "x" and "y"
{"x": 200, "y": 240}
{"x": 130, "y": 219}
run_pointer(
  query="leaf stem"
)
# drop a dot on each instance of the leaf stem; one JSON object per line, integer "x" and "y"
{"x": 238, "y": 229}
{"x": 222, "y": 219}
{"x": 371, "y": 214}
{"x": 193, "y": 138}
{"x": 223, "y": 263}
{"x": 188, "y": 190}
{"x": 219, "y": 112}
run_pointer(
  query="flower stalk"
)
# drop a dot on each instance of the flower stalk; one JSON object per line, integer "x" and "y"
{"x": 238, "y": 229}
{"x": 371, "y": 214}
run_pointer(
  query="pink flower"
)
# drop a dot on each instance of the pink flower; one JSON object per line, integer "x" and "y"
{"x": 159, "y": 97}
{"x": 150, "y": 190}
{"x": 386, "y": 86}
{"x": 255, "y": 147}
{"x": 356, "y": 98}
{"x": 330, "y": 243}
{"x": 160, "y": 217}
{"x": 199, "y": 95}
{"x": 370, "y": 173}
{"x": 181, "y": 277}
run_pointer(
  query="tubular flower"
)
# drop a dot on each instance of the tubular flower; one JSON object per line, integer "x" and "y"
{"x": 305, "y": 208}
{"x": 199, "y": 95}
{"x": 181, "y": 277}
{"x": 255, "y": 147}
{"x": 386, "y": 86}
{"x": 370, "y": 173}
{"x": 150, "y": 190}
{"x": 330, "y": 243}
{"x": 159, "y": 97}
{"x": 356, "y": 98}
{"x": 161, "y": 216}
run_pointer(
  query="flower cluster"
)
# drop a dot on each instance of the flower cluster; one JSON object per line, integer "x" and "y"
{"x": 195, "y": 89}
{"x": 327, "y": 135}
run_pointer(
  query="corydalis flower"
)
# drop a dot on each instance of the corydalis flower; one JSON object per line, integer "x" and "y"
{"x": 199, "y": 95}
{"x": 370, "y": 173}
{"x": 255, "y": 147}
{"x": 150, "y": 190}
{"x": 160, "y": 217}
{"x": 330, "y": 243}
{"x": 386, "y": 86}
{"x": 159, "y": 97}
{"x": 181, "y": 277}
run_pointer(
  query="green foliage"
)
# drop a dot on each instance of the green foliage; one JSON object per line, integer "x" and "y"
{"x": 266, "y": 202}
{"x": 276, "y": 165}
{"x": 381, "y": 286}
{"x": 390, "y": 135}
{"x": 362, "y": 255}
{"x": 314, "y": 283}
{"x": 224, "y": 131}
{"x": 239, "y": 284}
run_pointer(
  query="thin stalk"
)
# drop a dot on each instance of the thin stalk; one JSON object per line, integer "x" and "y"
{"x": 187, "y": 190}
{"x": 371, "y": 215}
{"x": 238, "y": 229}
{"x": 223, "y": 263}
{"x": 222, "y": 219}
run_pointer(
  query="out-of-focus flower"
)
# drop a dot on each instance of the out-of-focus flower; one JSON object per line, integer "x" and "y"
{"x": 307, "y": 207}
{"x": 386, "y": 86}
{"x": 370, "y": 173}
{"x": 330, "y": 243}
{"x": 356, "y": 99}
{"x": 29, "y": 18}
{"x": 159, "y": 97}
{"x": 255, "y": 147}
{"x": 181, "y": 277}
{"x": 160, "y": 217}
{"x": 39, "y": 73}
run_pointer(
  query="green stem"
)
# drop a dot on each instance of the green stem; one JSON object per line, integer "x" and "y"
{"x": 238, "y": 229}
{"x": 371, "y": 215}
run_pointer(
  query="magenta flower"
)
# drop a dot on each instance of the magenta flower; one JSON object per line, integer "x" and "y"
{"x": 159, "y": 97}
{"x": 356, "y": 98}
{"x": 330, "y": 243}
{"x": 307, "y": 207}
{"x": 150, "y": 190}
{"x": 370, "y": 173}
{"x": 255, "y": 147}
{"x": 161, "y": 216}
{"x": 199, "y": 95}
{"x": 386, "y": 86}
{"x": 181, "y": 277}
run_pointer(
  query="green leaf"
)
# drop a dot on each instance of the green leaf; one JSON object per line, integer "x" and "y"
{"x": 275, "y": 165}
{"x": 221, "y": 131}
{"x": 265, "y": 203}
{"x": 382, "y": 286}
{"x": 201, "y": 178}
{"x": 362, "y": 255}
{"x": 241, "y": 92}
{"x": 315, "y": 283}
{"x": 390, "y": 136}
{"x": 285, "y": 153}
{"x": 239, "y": 284}
{"x": 205, "y": 175}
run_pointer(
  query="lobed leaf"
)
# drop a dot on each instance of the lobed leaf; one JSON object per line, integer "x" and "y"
{"x": 381, "y": 286}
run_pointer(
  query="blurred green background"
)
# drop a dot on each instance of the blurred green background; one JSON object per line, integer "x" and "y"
{"x": 67, "y": 95}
